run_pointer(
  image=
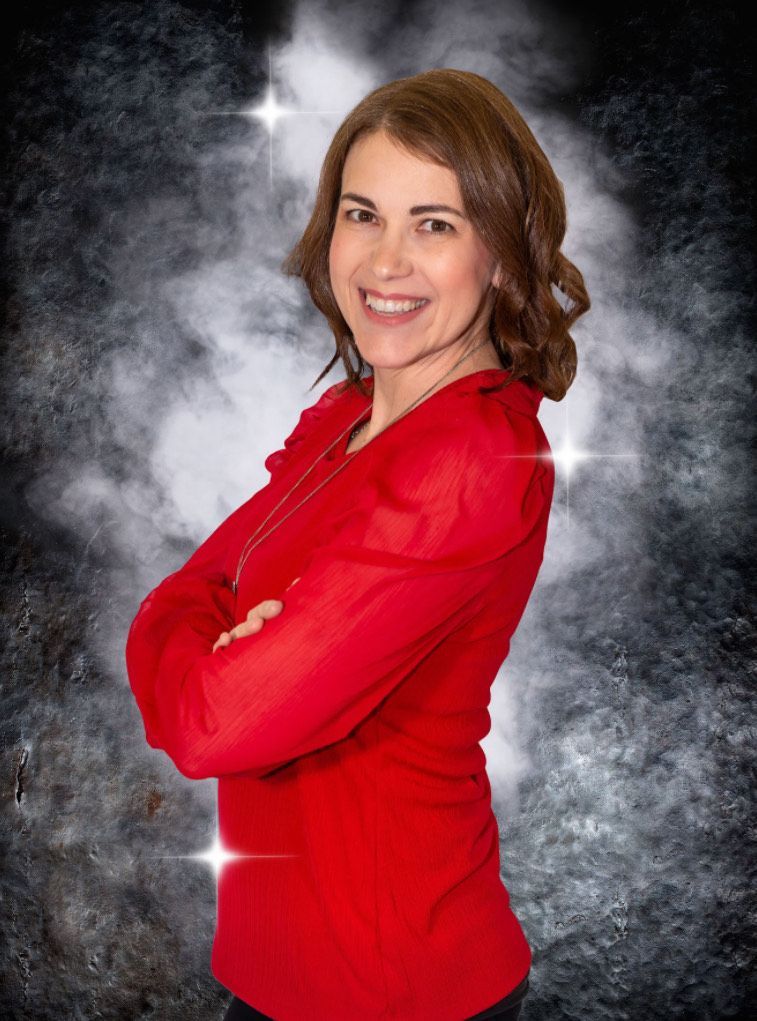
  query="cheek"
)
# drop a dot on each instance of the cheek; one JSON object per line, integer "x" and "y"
{"x": 339, "y": 273}
{"x": 457, "y": 275}
{"x": 338, "y": 259}
{"x": 468, "y": 277}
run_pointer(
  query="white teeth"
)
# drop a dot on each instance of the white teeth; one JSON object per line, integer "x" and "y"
{"x": 392, "y": 307}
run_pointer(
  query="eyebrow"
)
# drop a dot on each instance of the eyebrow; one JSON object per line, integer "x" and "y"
{"x": 415, "y": 211}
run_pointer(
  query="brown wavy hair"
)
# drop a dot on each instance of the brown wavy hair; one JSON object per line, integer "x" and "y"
{"x": 511, "y": 194}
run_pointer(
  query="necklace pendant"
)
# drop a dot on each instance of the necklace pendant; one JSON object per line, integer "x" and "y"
{"x": 234, "y": 587}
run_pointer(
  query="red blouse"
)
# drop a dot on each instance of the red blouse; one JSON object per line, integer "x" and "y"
{"x": 345, "y": 734}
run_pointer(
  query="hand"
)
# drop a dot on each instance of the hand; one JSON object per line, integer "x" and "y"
{"x": 256, "y": 618}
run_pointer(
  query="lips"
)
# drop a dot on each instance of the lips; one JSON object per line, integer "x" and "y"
{"x": 390, "y": 297}
{"x": 391, "y": 319}
{"x": 390, "y": 306}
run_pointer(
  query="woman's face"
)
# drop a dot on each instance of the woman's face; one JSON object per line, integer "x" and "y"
{"x": 386, "y": 246}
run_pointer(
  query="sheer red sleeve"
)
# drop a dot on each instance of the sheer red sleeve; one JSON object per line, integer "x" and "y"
{"x": 195, "y": 604}
{"x": 432, "y": 526}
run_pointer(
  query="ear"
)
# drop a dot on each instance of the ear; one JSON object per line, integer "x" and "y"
{"x": 497, "y": 277}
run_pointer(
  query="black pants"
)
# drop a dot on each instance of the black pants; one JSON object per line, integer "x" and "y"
{"x": 506, "y": 1010}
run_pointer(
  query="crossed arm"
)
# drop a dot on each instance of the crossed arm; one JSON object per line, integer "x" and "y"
{"x": 411, "y": 566}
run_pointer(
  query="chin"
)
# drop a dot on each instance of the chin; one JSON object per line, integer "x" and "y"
{"x": 378, "y": 361}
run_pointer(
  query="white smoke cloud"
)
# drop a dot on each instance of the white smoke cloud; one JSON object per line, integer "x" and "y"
{"x": 261, "y": 342}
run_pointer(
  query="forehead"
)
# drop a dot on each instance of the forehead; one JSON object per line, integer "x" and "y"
{"x": 377, "y": 162}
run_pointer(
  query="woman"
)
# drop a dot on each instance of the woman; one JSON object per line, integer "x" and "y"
{"x": 328, "y": 651}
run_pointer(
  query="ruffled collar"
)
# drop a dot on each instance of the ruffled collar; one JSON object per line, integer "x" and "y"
{"x": 521, "y": 395}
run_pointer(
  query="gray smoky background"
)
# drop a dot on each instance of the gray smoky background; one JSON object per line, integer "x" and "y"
{"x": 154, "y": 355}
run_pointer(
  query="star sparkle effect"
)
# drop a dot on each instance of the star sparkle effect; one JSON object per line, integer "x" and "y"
{"x": 217, "y": 856}
{"x": 567, "y": 457}
{"x": 269, "y": 112}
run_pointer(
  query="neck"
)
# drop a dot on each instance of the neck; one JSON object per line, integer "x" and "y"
{"x": 395, "y": 389}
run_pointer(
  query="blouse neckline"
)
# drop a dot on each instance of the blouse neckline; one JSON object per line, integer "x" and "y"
{"x": 340, "y": 453}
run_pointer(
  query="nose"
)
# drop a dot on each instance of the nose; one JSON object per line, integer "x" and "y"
{"x": 390, "y": 257}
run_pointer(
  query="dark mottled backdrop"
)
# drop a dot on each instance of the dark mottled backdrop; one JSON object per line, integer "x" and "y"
{"x": 154, "y": 354}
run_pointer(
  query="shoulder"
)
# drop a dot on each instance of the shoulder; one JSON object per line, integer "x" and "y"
{"x": 466, "y": 438}
{"x": 464, "y": 484}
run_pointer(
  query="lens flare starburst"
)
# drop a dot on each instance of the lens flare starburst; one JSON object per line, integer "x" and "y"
{"x": 269, "y": 112}
{"x": 218, "y": 857}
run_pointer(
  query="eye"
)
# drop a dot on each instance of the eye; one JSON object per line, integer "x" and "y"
{"x": 365, "y": 216}
{"x": 446, "y": 228}
{"x": 348, "y": 215}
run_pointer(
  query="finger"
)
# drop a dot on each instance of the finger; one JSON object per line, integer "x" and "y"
{"x": 267, "y": 609}
{"x": 223, "y": 640}
{"x": 250, "y": 626}
{"x": 256, "y": 618}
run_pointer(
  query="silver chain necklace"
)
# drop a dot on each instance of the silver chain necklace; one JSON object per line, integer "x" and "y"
{"x": 247, "y": 549}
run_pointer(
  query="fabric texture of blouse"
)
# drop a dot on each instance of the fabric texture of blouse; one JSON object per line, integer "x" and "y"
{"x": 345, "y": 734}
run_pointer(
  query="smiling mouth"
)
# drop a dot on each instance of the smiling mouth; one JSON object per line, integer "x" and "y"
{"x": 391, "y": 307}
